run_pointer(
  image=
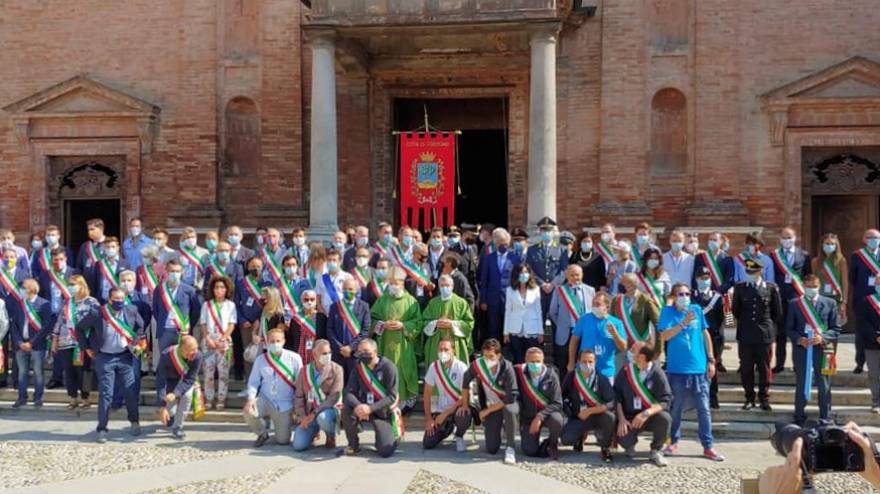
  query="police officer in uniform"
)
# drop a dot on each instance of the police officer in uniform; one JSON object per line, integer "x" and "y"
{"x": 757, "y": 308}
{"x": 548, "y": 262}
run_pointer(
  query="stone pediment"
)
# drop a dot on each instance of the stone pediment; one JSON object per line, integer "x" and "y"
{"x": 78, "y": 96}
{"x": 856, "y": 80}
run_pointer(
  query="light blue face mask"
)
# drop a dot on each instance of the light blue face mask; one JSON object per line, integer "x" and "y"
{"x": 535, "y": 368}
{"x": 523, "y": 277}
{"x": 704, "y": 283}
{"x": 546, "y": 237}
{"x": 445, "y": 292}
{"x": 713, "y": 245}
{"x": 873, "y": 243}
{"x": 829, "y": 248}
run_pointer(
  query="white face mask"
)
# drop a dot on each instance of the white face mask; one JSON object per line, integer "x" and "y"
{"x": 299, "y": 241}
{"x": 189, "y": 243}
{"x": 362, "y": 261}
{"x": 135, "y": 231}
{"x": 74, "y": 289}
{"x": 324, "y": 359}
{"x": 128, "y": 286}
{"x": 308, "y": 305}
{"x": 444, "y": 357}
{"x": 276, "y": 348}
{"x": 606, "y": 237}
{"x": 395, "y": 291}
{"x": 600, "y": 312}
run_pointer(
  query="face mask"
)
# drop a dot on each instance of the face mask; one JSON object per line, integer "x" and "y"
{"x": 873, "y": 243}
{"x": 713, "y": 245}
{"x": 693, "y": 246}
{"x": 445, "y": 292}
{"x": 682, "y": 301}
{"x": 36, "y": 244}
{"x": 233, "y": 240}
{"x": 361, "y": 261}
{"x": 787, "y": 243}
{"x": 159, "y": 242}
{"x": 324, "y": 359}
{"x": 74, "y": 289}
{"x": 829, "y": 248}
{"x": 223, "y": 257}
{"x": 587, "y": 368}
{"x": 380, "y": 273}
{"x": 491, "y": 362}
{"x": 586, "y": 246}
{"x": 452, "y": 240}
{"x": 502, "y": 249}
{"x": 653, "y": 263}
{"x": 725, "y": 247}
{"x": 606, "y": 237}
{"x": 128, "y": 286}
{"x": 174, "y": 278}
{"x": 444, "y": 356}
{"x": 750, "y": 278}
{"x": 261, "y": 240}
{"x": 436, "y": 243}
{"x": 676, "y": 246}
{"x": 135, "y": 231}
{"x": 117, "y": 305}
{"x": 188, "y": 243}
{"x": 59, "y": 265}
{"x": 361, "y": 241}
{"x": 211, "y": 244}
{"x": 395, "y": 291}
{"x": 407, "y": 241}
{"x": 535, "y": 368}
{"x": 309, "y": 305}
{"x": 386, "y": 238}
{"x": 6, "y": 244}
{"x": 332, "y": 266}
{"x": 365, "y": 358}
{"x": 642, "y": 239}
{"x": 111, "y": 252}
{"x": 811, "y": 292}
{"x": 10, "y": 264}
{"x": 518, "y": 248}
{"x": 338, "y": 246}
{"x": 52, "y": 240}
{"x": 546, "y": 237}
{"x": 349, "y": 296}
{"x": 276, "y": 348}
{"x": 600, "y": 312}
{"x": 289, "y": 270}
{"x": 704, "y": 283}
{"x": 523, "y": 277}
{"x": 753, "y": 249}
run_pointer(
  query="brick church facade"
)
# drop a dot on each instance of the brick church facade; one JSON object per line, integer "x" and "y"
{"x": 705, "y": 114}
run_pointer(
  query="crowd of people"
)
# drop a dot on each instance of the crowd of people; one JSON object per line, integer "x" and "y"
{"x": 336, "y": 336}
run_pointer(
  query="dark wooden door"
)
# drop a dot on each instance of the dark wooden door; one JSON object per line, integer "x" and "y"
{"x": 847, "y": 216}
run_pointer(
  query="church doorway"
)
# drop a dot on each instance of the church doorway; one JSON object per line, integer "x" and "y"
{"x": 78, "y": 211}
{"x": 481, "y": 196}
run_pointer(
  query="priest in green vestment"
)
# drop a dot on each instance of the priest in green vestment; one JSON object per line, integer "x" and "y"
{"x": 396, "y": 323}
{"x": 449, "y": 315}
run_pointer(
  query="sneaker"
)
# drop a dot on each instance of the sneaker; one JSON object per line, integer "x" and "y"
{"x": 460, "y": 446}
{"x": 713, "y": 455}
{"x": 102, "y": 437}
{"x": 630, "y": 451}
{"x": 178, "y": 433}
{"x": 605, "y": 455}
{"x": 135, "y": 429}
{"x": 658, "y": 459}
{"x": 748, "y": 405}
{"x": 671, "y": 450}
{"x": 242, "y": 393}
{"x": 509, "y": 456}
{"x": 261, "y": 439}
{"x": 875, "y": 410}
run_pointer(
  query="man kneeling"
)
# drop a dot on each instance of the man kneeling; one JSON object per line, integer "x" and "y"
{"x": 176, "y": 377}
{"x": 270, "y": 390}
{"x": 590, "y": 399}
{"x": 643, "y": 397}
{"x": 318, "y": 394}
{"x": 540, "y": 405}
{"x": 371, "y": 396}
{"x": 442, "y": 396}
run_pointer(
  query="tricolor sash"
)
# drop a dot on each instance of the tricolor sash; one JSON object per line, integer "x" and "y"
{"x": 810, "y": 315}
{"x": 306, "y": 323}
{"x": 481, "y": 368}
{"x": 741, "y": 258}
{"x": 780, "y": 261}
{"x": 148, "y": 278}
{"x": 180, "y": 364}
{"x": 69, "y": 315}
{"x": 874, "y": 300}
{"x": 351, "y": 321}
{"x": 711, "y": 264}
{"x": 650, "y": 289}
{"x": 374, "y": 386}
{"x": 31, "y": 315}
{"x": 93, "y": 254}
{"x": 313, "y": 387}
{"x": 639, "y": 389}
{"x": 832, "y": 277}
{"x": 58, "y": 280}
{"x": 381, "y": 248}
{"x": 574, "y": 306}
{"x": 828, "y": 365}
{"x": 604, "y": 250}
{"x": 374, "y": 287}
{"x": 628, "y": 324}
{"x": 253, "y": 289}
{"x": 361, "y": 276}
{"x": 447, "y": 385}
{"x": 182, "y": 367}
{"x": 9, "y": 284}
{"x": 411, "y": 269}
{"x": 869, "y": 260}
{"x": 216, "y": 317}
{"x": 192, "y": 258}
{"x": 119, "y": 325}
{"x": 533, "y": 392}
{"x": 171, "y": 307}
{"x": 280, "y": 368}
{"x": 108, "y": 273}
{"x": 45, "y": 258}
{"x": 637, "y": 257}
{"x": 276, "y": 272}
{"x": 215, "y": 266}
{"x": 589, "y": 397}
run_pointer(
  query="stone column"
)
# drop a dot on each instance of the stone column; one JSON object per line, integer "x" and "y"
{"x": 322, "y": 163}
{"x": 542, "y": 124}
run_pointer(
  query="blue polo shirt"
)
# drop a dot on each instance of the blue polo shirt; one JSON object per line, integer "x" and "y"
{"x": 594, "y": 335}
{"x": 686, "y": 351}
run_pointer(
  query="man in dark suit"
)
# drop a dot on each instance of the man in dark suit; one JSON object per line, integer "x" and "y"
{"x": 249, "y": 306}
{"x": 361, "y": 239}
{"x": 468, "y": 253}
{"x": 451, "y": 263}
{"x": 43, "y": 257}
{"x": 757, "y": 308}
{"x": 436, "y": 249}
{"x": 30, "y": 333}
{"x": 548, "y": 261}
{"x": 17, "y": 272}
{"x": 104, "y": 274}
{"x": 790, "y": 264}
{"x": 495, "y": 269}
{"x": 52, "y": 279}
{"x": 864, "y": 275}
{"x": 113, "y": 338}
{"x": 173, "y": 301}
{"x": 343, "y": 344}
{"x": 90, "y": 250}
{"x": 238, "y": 252}
{"x": 811, "y": 325}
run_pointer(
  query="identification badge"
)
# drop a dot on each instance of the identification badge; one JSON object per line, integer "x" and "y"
{"x": 598, "y": 350}
{"x": 250, "y": 302}
{"x": 420, "y": 291}
{"x": 145, "y": 291}
{"x": 309, "y": 344}
{"x": 370, "y": 399}
{"x": 788, "y": 278}
{"x": 827, "y": 288}
{"x": 637, "y": 403}
{"x": 872, "y": 281}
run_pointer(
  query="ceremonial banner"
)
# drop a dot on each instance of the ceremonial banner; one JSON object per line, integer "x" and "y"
{"x": 427, "y": 179}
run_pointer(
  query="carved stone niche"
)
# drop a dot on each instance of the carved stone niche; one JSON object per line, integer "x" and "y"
{"x": 844, "y": 173}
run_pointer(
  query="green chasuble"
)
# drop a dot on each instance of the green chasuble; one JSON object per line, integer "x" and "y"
{"x": 400, "y": 346}
{"x": 456, "y": 310}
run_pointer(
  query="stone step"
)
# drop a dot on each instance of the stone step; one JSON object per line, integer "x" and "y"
{"x": 147, "y": 398}
{"x": 730, "y": 412}
{"x": 733, "y": 393}
{"x": 843, "y": 378}
{"x": 148, "y": 413}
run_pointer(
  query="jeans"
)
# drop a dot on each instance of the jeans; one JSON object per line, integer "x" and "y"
{"x": 110, "y": 368}
{"x": 119, "y": 388}
{"x": 689, "y": 391}
{"x": 325, "y": 421}
{"x": 30, "y": 360}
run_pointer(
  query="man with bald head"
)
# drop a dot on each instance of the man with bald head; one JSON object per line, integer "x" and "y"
{"x": 571, "y": 300}
{"x": 361, "y": 239}
{"x": 176, "y": 379}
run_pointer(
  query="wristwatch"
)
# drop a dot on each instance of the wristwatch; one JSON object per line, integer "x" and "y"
{"x": 711, "y": 360}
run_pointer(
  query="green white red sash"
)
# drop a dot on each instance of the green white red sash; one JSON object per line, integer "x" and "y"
{"x": 832, "y": 277}
{"x": 45, "y": 258}
{"x": 306, "y": 323}
{"x": 214, "y": 310}
{"x": 148, "y": 278}
{"x": 711, "y": 264}
{"x": 590, "y": 397}
{"x": 361, "y": 276}
{"x": 182, "y": 367}
{"x": 192, "y": 258}
{"x": 382, "y": 249}
{"x": 313, "y": 387}
{"x": 780, "y": 261}
{"x": 69, "y": 315}
{"x": 215, "y": 266}
{"x": 9, "y": 284}
{"x": 108, "y": 273}
{"x": 810, "y": 315}
{"x": 481, "y": 368}
{"x": 58, "y": 280}
{"x": 650, "y": 289}
{"x": 533, "y": 392}
{"x": 637, "y": 257}
{"x": 628, "y": 324}
{"x": 92, "y": 253}
{"x": 348, "y": 318}
{"x": 828, "y": 362}
{"x": 604, "y": 250}
{"x": 639, "y": 389}
{"x": 574, "y": 306}
{"x": 869, "y": 260}
{"x": 171, "y": 307}
{"x": 374, "y": 287}
{"x": 119, "y": 325}
{"x": 276, "y": 272}
{"x": 374, "y": 386}
{"x": 253, "y": 289}
{"x": 741, "y": 258}
{"x": 874, "y": 300}
{"x": 409, "y": 267}
{"x": 31, "y": 315}
{"x": 447, "y": 385}
{"x": 180, "y": 364}
{"x": 280, "y": 368}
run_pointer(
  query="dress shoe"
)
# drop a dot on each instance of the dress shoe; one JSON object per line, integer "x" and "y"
{"x": 858, "y": 369}
{"x": 748, "y": 405}
{"x": 765, "y": 405}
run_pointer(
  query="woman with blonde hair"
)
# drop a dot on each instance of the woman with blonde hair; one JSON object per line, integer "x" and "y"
{"x": 65, "y": 344}
{"x": 831, "y": 267}
{"x": 272, "y": 316}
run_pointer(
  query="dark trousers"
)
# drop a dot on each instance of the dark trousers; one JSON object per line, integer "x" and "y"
{"x": 861, "y": 325}
{"x": 495, "y": 320}
{"x": 57, "y": 369}
{"x": 531, "y": 443}
{"x": 507, "y": 417}
{"x": 518, "y": 347}
{"x": 110, "y": 368}
{"x": 442, "y": 431}
{"x": 9, "y": 364}
{"x": 755, "y": 356}
{"x": 601, "y": 424}
{"x": 75, "y": 379}
{"x": 822, "y": 383}
{"x": 385, "y": 443}
{"x": 717, "y": 349}
{"x": 237, "y": 354}
{"x": 781, "y": 342}
{"x": 560, "y": 359}
{"x": 658, "y": 425}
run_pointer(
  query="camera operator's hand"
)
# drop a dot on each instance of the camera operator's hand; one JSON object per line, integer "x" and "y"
{"x": 872, "y": 470}
{"x": 785, "y": 478}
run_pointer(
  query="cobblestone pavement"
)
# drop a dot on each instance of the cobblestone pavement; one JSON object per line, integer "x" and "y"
{"x": 245, "y": 484}
{"x": 426, "y": 482}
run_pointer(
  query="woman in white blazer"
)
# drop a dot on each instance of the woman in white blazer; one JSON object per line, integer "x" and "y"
{"x": 523, "y": 327}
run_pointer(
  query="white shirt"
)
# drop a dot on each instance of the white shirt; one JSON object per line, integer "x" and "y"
{"x": 338, "y": 279}
{"x": 680, "y": 269}
{"x": 270, "y": 385}
{"x": 228, "y": 315}
{"x": 440, "y": 400}
{"x": 522, "y": 317}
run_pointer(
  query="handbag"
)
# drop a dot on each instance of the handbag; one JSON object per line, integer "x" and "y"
{"x": 252, "y": 352}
